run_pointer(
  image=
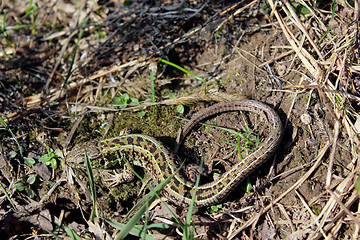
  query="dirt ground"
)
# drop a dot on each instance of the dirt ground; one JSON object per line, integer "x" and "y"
{"x": 61, "y": 84}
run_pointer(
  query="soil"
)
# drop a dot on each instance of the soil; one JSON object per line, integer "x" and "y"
{"x": 232, "y": 65}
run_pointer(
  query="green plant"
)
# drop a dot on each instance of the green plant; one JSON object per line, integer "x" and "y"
{"x": 215, "y": 208}
{"x": 218, "y": 34}
{"x": 100, "y": 33}
{"x": 333, "y": 8}
{"x": 152, "y": 84}
{"x": 141, "y": 113}
{"x": 141, "y": 208}
{"x": 344, "y": 107}
{"x": 300, "y": 9}
{"x": 50, "y": 158}
{"x": 94, "y": 210}
{"x": 81, "y": 33}
{"x": 31, "y": 14}
{"x": 251, "y": 141}
{"x": 29, "y": 161}
{"x": 127, "y": 3}
{"x": 187, "y": 230}
{"x": 185, "y": 71}
{"x": 136, "y": 230}
{"x": 24, "y": 183}
{"x": 248, "y": 187}
{"x": 315, "y": 210}
{"x": 124, "y": 100}
{"x": 4, "y": 33}
{"x": 7, "y": 196}
{"x": 72, "y": 234}
{"x": 180, "y": 108}
{"x": 12, "y": 134}
{"x": 357, "y": 185}
{"x": 3, "y": 27}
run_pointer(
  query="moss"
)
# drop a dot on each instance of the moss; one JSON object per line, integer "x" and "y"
{"x": 305, "y": 100}
{"x": 88, "y": 129}
{"x": 160, "y": 123}
{"x": 125, "y": 191}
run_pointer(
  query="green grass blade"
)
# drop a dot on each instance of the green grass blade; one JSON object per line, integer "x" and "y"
{"x": 222, "y": 128}
{"x": 72, "y": 234}
{"x": 12, "y": 134}
{"x": 142, "y": 206}
{"x": 152, "y": 85}
{"x": 163, "y": 184}
{"x": 188, "y": 234}
{"x": 137, "y": 229}
{"x": 129, "y": 226}
{"x": 7, "y": 196}
{"x": 185, "y": 71}
{"x": 330, "y": 24}
{"x": 75, "y": 51}
{"x": 245, "y": 136}
{"x": 94, "y": 210}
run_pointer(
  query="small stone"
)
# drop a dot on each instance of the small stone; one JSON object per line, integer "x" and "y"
{"x": 305, "y": 118}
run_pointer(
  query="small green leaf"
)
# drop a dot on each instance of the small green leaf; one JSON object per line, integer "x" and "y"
{"x": 45, "y": 158}
{"x": 357, "y": 185}
{"x": 72, "y": 234}
{"x": 180, "y": 109}
{"x": 158, "y": 225}
{"x": 53, "y": 154}
{"x": 116, "y": 100}
{"x": 141, "y": 113}
{"x": 30, "y": 192}
{"x": 248, "y": 187}
{"x": 12, "y": 154}
{"x": 50, "y": 159}
{"x": 300, "y": 9}
{"x": 126, "y": 3}
{"x": 171, "y": 95}
{"x": 217, "y": 174}
{"x": 31, "y": 179}
{"x": 122, "y": 100}
{"x": 125, "y": 97}
{"x": 215, "y": 208}
{"x": 29, "y": 161}
{"x": 315, "y": 210}
{"x": 134, "y": 101}
{"x": 20, "y": 185}
{"x": 53, "y": 163}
